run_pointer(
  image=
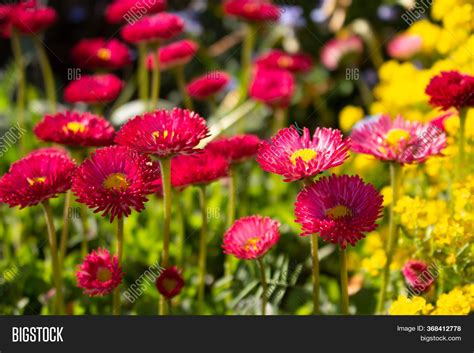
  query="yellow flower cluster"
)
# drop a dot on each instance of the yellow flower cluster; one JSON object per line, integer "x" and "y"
{"x": 417, "y": 214}
{"x": 459, "y": 301}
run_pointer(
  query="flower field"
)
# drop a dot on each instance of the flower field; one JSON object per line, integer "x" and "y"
{"x": 237, "y": 157}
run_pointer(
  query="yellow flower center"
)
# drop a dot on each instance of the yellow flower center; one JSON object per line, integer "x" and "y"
{"x": 116, "y": 181}
{"x": 37, "y": 180}
{"x": 339, "y": 211}
{"x": 74, "y": 127}
{"x": 285, "y": 61}
{"x": 163, "y": 134}
{"x": 103, "y": 274}
{"x": 104, "y": 54}
{"x": 251, "y": 243}
{"x": 306, "y": 154}
{"x": 395, "y": 136}
{"x": 169, "y": 284}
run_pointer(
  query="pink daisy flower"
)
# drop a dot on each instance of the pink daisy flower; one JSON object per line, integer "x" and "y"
{"x": 404, "y": 46}
{"x": 274, "y": 87}
{"x": 99, "y": 53}
{"x": 115, "y": 180}
{"x": 339, "y": 208}
{"x": 398, "y": 140}
{"x": 174, "y": 54}
{"x": 164, "y": 133}
{"x": 153, "y": 28}
{"x": 29, "y": 17}
{"x": 99, "y": 274}
{"x": 451, "y": 89}
{"x": 198, "y": 168}
{"x": 417, "y": 275}
{"x": 75, "y": 129}
{"x": 130, "y": 10}
{"x": 298, "y": 157}
{"x": 170, "y": 282}
{"x": 336, "y": 50}
{"x": 236, "y": 148}
{"x": 278, "y": 59}
{"x": 208, "y": 85}
{"x": 41, "y": 175}
{"x": 252, "y": 10}
{"x": 251, "y": 237}
{"x": 93, "y": 89}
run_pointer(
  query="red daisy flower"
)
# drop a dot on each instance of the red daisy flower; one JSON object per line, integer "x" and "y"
{"x": 273, "y": 87}
{"x": 131, "y": 10}
{"x": 174, "y": 54}
{"x": 252, "y": 10}
{"x": 418, "y": 276}
{"x": 208, "y": 85}
{"x": 298, "y": 157}
{"x": 451, "y": 89}
{"x": 278, "y": 59}
{"x": 170, "y": 282}
{"x": 75, "y": 129}
{"x": 199, "y": 168}
{"x": 41, "y": 175}
{"x": 339, "y": 208}
{"x": 236, "y": 148}
{"x": 49, "y": 150}
{"x": 30, "y": 18}
{"x": 99, "y": 274}
{"x": 5, "y": 22}
{"x": 98, "y": 53}
{"x": 338, "y": 49}
{"x": 115, "y": 180}
{"x": 164, "y": 133}
{"x": 251, "y": 237}
{"x": 398, "y": 140}
{"x": 153, "y": 28}
{"x": 93, "y": 89}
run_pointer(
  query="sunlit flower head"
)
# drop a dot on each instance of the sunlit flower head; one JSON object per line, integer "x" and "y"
{"x": 337, "y": 50}
{"x": 121, "y": 11}
{"x": 75, "y": 129}
{"x": 41, "y": 175}
{"x": 174, "y": 54}
{"x": 398, "y": 140}
{"x": 29, "y": 17}
{"x": 404, "y": 46}
{"x": 451, "y": 89}
{"x": 170, "y": 282}
{"x": 274, "y": 87}
{"x": 339, "y": 208}
{"x": 99, "y": 53}
{"x": 198, "y": 169}
{"x": 208, "y": 85}
{"x": 418, "y": 275}
{"x": 93, "y": 89}
{"x": 115, "y": 180}
{"x": 99, "y": 274}
{"x": 236, "y": 148}
{"x": 296, "y": 156}
{"x": 252, "y": 10}
{"x": 157, "y": 27}
{"x": 251, "y": 237}
{"x": 278, "y": 59}
{"x": 164, "y": 133}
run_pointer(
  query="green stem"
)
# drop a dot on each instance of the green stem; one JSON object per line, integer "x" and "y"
{"x": 156, "y": 77}
{"x": 142, "y": 75}
{"x": 395, "y": 180}
{"x": 315, "y": 273}
{"x": 202, "y": 249}
{"x": 47, "y": 73}
{"x": 462, "y": 142}
{"x": 85, "y": 229}
{"x": 230, "y": 261}
{"x": 119, "y": 252}
{"x": 280, "y": 119}
{"x": 246, "y": 60}
{"x": 344, "y": 282}
{"x": 264, "y": 285}
{"x": 65, "y": 230}
{"x": 180, "y": 78}
{"x": 181, "y": 233}
{"x": 21, "y": 92}
{"x": 165, "y": 164}
{"x": 57, "y": 276}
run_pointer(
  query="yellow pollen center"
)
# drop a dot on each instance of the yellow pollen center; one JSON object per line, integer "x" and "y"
{"x": 104, "y": 54}
{"x": 395, "y": 136}
{"x": 116, "y": 181}
{"x": 103, "y": 274}
{"x": 338, "y": 211}
{"x": 169, "y": 284}
{"x": 251, "y": 243}
{"x": 306, "y": 154}
{"x": 285, "y": 61}
{"x": 37, "y": 180}
{"x": 157, "y": 134}
{"x": 74, "y": 127}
